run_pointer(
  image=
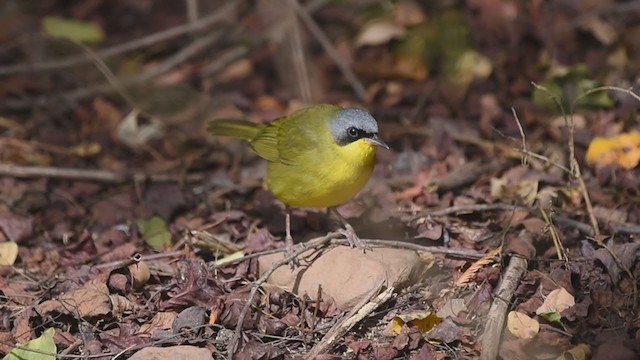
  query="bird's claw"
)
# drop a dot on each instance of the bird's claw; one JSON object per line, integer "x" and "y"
{"x": 289, "y": 251}
{"x": 353, "y": 239}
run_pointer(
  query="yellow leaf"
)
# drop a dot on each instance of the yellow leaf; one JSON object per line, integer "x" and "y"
{"x": 424, "y": 320}
{"x": 8, "y": 253}
{"x": 522, "y": 326}
{"x": 578, "y": 352}
{"x": 72, "y": 29}
{"x": 85, "y": 149}
{"x": 229, "y": 258}
{"x": 623, "y": 150}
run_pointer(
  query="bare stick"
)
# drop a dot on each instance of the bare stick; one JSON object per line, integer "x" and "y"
{"x": 457, "y": 253}
{"x": 89, "y": 174}
{"x": 360, "y": 312}
{"x": 187, "y": 52}
{"x": 311, "y": 244}
{"x": 524, "y": 139}
{"x": 490, "y": 340}
{"x": 324, "y": 40}
{"x": 561, "y": 220}
{"x": 104, "y": 54}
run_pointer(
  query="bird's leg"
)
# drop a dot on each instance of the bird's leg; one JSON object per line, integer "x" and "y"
{"x": 288, "y": 239}
{"x": 348, "y": 230}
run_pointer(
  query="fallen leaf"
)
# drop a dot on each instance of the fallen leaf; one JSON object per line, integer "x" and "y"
{"x": 378, "y": 33}
{"x": 578, "y": 352}
{"x": 135, "y": 133}
{"x": 8, "y": 253}
{"x": 556, "y": 302}
{"x": 42, "y": 348}
{"x": 521, "y": 325}
{"x": 72, "y": 29}
{"x": 15, "y": 227}
{"x": 160, "y": 321}
{"x": 408, "y": 12}
{"x": 424, "y": 320}
{"x": 452, "y": 307}
{"x": 90, "y": 300}
{"x": 601, "y": 30}
{"x": 155, "y": 232}
{"x": 229, "y": 258}
{"x": 447, "y": 332}
{"x": 623, "y": 150}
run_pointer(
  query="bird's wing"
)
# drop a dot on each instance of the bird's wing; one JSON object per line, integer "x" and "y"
{"x": 285, "y": 140}
{"x": 265, "y": 144}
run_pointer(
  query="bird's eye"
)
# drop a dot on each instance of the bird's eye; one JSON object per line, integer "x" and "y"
{"x": 353, "y": 132}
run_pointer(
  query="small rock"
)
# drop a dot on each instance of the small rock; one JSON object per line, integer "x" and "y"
{"x": 182, "y": 352}
{"x": 347, "y": 274}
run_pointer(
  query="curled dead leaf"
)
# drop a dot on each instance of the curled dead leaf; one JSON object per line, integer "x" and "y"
{"x": 521, "y": 325}
{"x": 378, "y": 33}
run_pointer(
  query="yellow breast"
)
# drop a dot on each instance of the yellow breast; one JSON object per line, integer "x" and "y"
{"x": 328, "y": 177}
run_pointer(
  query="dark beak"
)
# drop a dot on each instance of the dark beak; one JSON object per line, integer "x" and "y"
{"x": 375, "y": 140}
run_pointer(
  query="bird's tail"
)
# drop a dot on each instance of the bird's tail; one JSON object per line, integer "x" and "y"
{"x": 240, "y": 129}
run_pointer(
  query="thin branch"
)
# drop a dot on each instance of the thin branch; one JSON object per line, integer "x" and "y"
{"x": 366, "y": 307}
{"x": 490, "y": 339}
{"x": 176, "y": 59}
{"x": 91, "y": 174}
{"x": 560, "y": 220}
{"x": 324, "y": 40}
{"x": 107, "y": 53}
{"x": 312, "y": 244}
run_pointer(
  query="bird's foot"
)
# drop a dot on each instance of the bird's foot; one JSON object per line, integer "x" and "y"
{"x": 290, "y": 250}
{"x": 353, "y": 239}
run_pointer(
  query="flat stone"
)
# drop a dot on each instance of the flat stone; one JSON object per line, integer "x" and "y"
{"x": 182, "y": 352}
{"x": 347, "y": 274}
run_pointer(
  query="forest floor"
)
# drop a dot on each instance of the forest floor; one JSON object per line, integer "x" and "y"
{"x": 510, "y": 191}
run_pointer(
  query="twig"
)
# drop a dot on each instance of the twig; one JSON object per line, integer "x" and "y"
{"x": 583, "y": 189}
{"x": 561, "y": 220}
{"x": 554, "y": 234}
{"x": 465, "y": 209}
{"x": 107, "y": 53}
{"x": 366, "y": 307}
{"x": 312, "y": 244}
{"x": 490, "y": 340}
{"x": 522, "y": 135}
{"x": 324, "y": 40}
{"x": 91, "y": 175}
{"x": 459, "y": 253}
{"x": 184, "y": 54}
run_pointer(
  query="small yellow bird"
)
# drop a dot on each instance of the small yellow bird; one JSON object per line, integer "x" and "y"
{"x": 321, "y": 156}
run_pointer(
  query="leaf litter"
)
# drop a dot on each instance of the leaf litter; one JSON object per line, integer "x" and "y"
{"x": 112, "y": 267}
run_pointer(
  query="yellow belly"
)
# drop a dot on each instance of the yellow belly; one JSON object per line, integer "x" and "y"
{"x": 327, "y": 178}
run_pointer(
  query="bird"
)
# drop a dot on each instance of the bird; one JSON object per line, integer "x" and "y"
{"x": 318, "y": 157}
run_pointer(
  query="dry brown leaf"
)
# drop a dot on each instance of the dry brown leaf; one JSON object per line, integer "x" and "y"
{"x": 557, "y": 301}
{"x": 90, "y": 300}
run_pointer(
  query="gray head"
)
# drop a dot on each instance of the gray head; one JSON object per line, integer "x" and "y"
{"x": 351, "y": 125}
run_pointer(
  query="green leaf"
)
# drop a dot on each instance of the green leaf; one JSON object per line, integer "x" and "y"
{"x": 155, "y": 232}
{"x": 42, "y": 348}
{"x": 230, "y": 258}
{"x": 571, "y": 86}
{"x": 75, "y": 30}
{"x": 553, "y": 316}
